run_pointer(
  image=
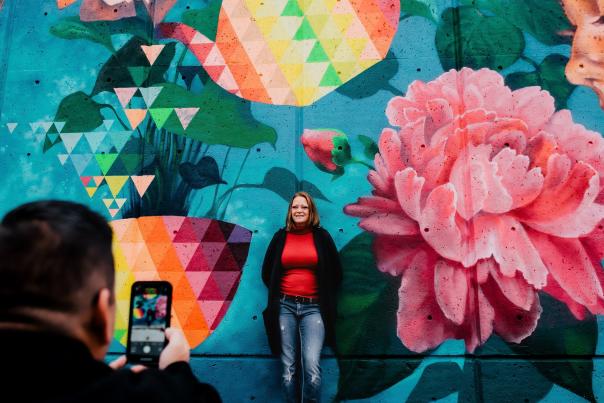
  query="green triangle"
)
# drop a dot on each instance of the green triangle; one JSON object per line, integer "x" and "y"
{"x": 52, "y": 130}
{"x": 139, "y": 74}
{"x": 160, "y": 115}
{"x": 118, "y": 169}
{"x": 330, "y": 78}
{"x": 292, "y": 9}
{"x": 317, "y": 54}
{"x": 131, "y": 162}
{"x": 119, "y": 334}
{"x": 105, "y": 161}
{"x": 47, "y": 144}
{"x": 305, "y": 31}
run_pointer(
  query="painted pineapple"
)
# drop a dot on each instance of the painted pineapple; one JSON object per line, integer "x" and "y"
{"x": 291, "y": 52}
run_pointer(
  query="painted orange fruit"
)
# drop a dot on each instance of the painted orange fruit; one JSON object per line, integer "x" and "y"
{"x": 291, "y": 52}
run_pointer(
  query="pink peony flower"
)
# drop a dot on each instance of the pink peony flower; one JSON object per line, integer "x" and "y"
{"x": 327, "y": 148}
{"x": 483, "y": 197}
{"x": 111, "y": 10}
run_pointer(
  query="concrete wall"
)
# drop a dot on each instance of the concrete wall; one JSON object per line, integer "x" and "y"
{"x": 464, "y": 200}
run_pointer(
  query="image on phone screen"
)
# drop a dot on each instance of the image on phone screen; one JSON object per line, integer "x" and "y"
{"x": 149, "y": 317}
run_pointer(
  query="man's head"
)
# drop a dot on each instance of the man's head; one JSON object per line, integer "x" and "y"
{"x": 57, "y": 272}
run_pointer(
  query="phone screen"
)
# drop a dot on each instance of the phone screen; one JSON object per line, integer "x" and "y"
{"x": 149, "y": 317}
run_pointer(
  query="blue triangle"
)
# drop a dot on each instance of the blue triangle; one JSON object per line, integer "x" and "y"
{"x": 70, "y": 140}
{"x": 80, "y": 161}
{"x": 94, "y": 139}
{"x": 149, "y": 94}
{"x": 119, "y": 139}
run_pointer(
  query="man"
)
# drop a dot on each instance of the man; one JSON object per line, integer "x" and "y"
{"x": 57, "y": 312}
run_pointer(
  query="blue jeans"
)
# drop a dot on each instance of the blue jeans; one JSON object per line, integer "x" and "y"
{"x": 301, "y": 324}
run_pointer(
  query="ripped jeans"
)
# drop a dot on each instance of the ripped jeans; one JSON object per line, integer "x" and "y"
{"x": 301, "y": 325}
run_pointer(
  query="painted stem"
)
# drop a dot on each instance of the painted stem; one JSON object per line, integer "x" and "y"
{"x": 247, "y": 154}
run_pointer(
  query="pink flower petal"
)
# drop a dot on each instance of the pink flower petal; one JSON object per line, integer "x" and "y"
{"x": 391, "y": 151}
{"x": 533, "y": 106}
{"x": 395, "y": 254}
{"x": 367, "y": 206}
{"x": 98, "y": 10}
{"x": 485, "y": 315}
{"x": 395, "y": 111}
{"x": 451, "y": 286}
{"x": 389, "y": 224}
{"x": 567, "y": 210}
{"x": 571, "y": 267}
{"x": 437, "y": 224}
{"x": 522, "y": 186}
{"x": 511, "y": 322}
{"x": 421, "y": 325}
{"x": 515, "y": 289}
{"x": 408, "y": 190}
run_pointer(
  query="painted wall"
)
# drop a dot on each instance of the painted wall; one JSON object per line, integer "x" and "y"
{"x": 454, "y": 149}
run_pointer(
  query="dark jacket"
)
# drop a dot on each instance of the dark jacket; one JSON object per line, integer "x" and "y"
{"x": 46, "y": 367}
{"x": 329, "y": 277}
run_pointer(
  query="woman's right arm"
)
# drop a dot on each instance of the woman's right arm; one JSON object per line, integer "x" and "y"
{"x": 267, "y": 264}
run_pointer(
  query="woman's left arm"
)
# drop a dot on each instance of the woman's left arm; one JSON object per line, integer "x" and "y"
{"x": 334, "y": 259}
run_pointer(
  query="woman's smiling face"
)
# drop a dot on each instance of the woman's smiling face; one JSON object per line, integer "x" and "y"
{"x": 300, "y": 211}
{"x": 586, "y": 64}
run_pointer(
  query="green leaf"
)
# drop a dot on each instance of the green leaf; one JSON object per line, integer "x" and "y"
{"x": 420, "y": 8}
{"x": 79, "y": 112}
{"x": 204, "y": 173}
{"x": 115, "y": 72}
{"x": 560, "y": 334}
{"x": 543, "y": 19}
{"x": 204, "y": 20}
{"x": 372, "y": 80}
{"x": 366, "y": 325}
{"x": 73, "y": 28}
{"x": 549, "y": 75}
{"x": 371, "y": 148}
{"x": 484, "y": 41}
{"x": 284, "y": 183}
{"x": 223, "y": 118}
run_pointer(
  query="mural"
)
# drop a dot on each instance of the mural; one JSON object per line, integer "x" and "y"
{"x": 454, "y": 148}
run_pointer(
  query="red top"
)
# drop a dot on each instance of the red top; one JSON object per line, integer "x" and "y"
{"x": 299, "y": 259}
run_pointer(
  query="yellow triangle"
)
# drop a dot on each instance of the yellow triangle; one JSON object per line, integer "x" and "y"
{"x": 346, "y": 70}
{"x": 91, "y": 190}
{"x": 116, "y": 183}
{"x": 266, "y": 25}
{"x": 343, "y": 21}
{"x": 357, "y": 46}
{"x": 107, "y": 202}
{"x": 278, "y": 47}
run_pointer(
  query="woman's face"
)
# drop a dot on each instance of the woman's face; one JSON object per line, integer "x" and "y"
{"x": 300, "y": 212}
{"x": 586, "y": 64}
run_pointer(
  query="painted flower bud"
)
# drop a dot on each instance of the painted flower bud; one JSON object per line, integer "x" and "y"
{"x": 327, "y": 148}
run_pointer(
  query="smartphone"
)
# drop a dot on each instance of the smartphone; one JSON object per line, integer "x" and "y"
{"x": 150, "y": 307}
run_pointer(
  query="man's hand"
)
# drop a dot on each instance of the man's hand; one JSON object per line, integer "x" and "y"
{"x": 177, "y": 349}
{"x": 121, "y": 362}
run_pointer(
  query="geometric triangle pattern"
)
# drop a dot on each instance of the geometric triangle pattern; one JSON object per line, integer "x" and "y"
{"x": 291, "y": 52}
{"x": 202, "y": 259}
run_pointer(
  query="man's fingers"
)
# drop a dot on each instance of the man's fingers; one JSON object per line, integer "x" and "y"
{"x": 118, "y": 362}
{"x": 137, "y": 368}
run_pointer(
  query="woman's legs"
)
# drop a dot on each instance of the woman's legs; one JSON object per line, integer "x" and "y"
{"x": 288, "y": 322}
{"x": 312, "y": 335}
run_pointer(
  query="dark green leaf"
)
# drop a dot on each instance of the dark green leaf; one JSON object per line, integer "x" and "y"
{"x": 374, "y": 79}
{"x": 115, "y": 73}
{"x": 420, "y": 8}
{"x": 223, "y": 118}
{"x": 543, "y": 19}
{"x": 202, "y": 174}
{"x": 340, "y": 154}
{"x": 366, "y": 325}
{"x": 438, "y": 381}
{"x": 560, "y": 334}
{"x": 79, "y": 112}
{"x": 371, "y": 148}
{"x": 484, "y": 41}
{"x": 284, "y": 183}
{"x": 73, "y": 28}
{"x": 204, "y": 20}
{"x": 549, "y": 75}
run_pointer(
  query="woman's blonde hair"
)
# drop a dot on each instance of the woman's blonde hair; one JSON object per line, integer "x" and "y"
{"x": 313, "y": 214}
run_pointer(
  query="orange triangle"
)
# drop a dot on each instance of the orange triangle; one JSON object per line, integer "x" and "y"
{"x": 158, "y": 251}
{"x": 171, "y": 262}
{"x": 153, "y": 229}
{"x": 142, "y": 182}
{"x": 132, "y": 233}
{"x": 135, "y": 116}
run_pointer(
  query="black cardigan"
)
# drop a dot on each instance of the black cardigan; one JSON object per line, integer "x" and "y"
{"x": 329, "y": 277}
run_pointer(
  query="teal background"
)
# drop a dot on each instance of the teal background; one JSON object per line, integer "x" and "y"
{"x": 37, "y": 70}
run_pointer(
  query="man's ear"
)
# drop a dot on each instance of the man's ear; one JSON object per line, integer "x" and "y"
{"x": 103, "y": 315}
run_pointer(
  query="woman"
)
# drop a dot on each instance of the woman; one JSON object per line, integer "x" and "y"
{"x": 302, "y": 272}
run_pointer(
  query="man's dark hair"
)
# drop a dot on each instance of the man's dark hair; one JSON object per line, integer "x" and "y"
{"x": 50, "y": 253}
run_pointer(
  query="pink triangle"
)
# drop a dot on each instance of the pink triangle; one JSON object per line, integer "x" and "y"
{"x": 200, "y": 226}
{"x": 214, "y": 71}
{"x": 185, "y": 115}
{"x": 201, "y": 50}
{"x": 212, "y": 251}
{"x": 197, "y": 280}
{"x": 185, "y": 251}
{"x": 131, "y": 251}
{"x": 142, "y": 182}
{"x": 98, "y": 180}
{"x": 85, "y": 180}
{"x": 370, "y": 52}
{"x": 226, "y": 280}
{"x": 198, "y": 262}
{"x": 152, "y": 52}
{"x": 124, "y": 95}
{"x": 211, "y": 291}
{"x": 210, "y": 310}
{"x": 214, "y": 58}
{"x": 172, "y": 224}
